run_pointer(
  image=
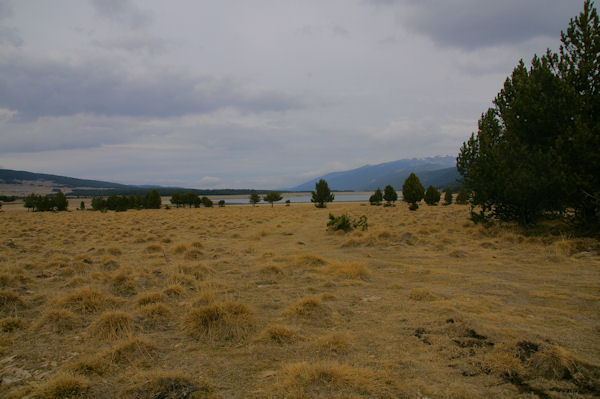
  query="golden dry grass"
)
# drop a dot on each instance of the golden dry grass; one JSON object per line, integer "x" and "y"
{"x": 264, "y": 302}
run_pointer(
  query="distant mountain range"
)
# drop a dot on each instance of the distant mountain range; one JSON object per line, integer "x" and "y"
{"x": 437, "y": 171}
{"x": 21, "y": 183}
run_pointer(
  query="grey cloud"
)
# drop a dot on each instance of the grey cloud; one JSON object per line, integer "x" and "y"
{"x": 134, "y": 44}
{"x": 122, "y": 12}
{"x": 35, "y": 89}
{"x": 473, "y": 24}
{"x": 6, "y": 9}
{"x": 10, "y": 36}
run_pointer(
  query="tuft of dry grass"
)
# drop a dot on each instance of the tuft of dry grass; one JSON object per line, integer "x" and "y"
{"x": 131, "y": 351}
{"x": 63, "y": 386}
{"x": 350, "y": 270}
{"x": 150, "y": 298}
{"x": 167, "y": 384}
{"x": 58, "y": 321}
{"x": 279, "y": 334}
{"x": 10, "y": 324}
{"x": 10, "y": 302}
{"x": 336, "y": 343}
{"x": 220, "y": 321}
{"x": 112, "y": 325}
{"x": 156, "y": 315}
{"x": 309, "y": 308}
{"x": 422, "y": 295}
{"x": 325, "y": 380}
{"x": 85, "y": 300}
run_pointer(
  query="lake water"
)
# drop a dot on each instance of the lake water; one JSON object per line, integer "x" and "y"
{"x": 350, "y": 197}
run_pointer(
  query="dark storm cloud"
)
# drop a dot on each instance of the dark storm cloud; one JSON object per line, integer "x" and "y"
{"x": 473, "y": 24}
{"x": 122, "y": 12}
{"x": 44, "y": 88}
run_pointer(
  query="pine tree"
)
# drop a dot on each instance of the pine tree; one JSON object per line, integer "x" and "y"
{"x": 432, "y": 196}
{"x": 254, "y": 198}
{"x": 447, "y": 196}
{"x": 272, "y": 196}
{"x": 322, "y": 194}
{"x": 412, "y": 191}
{"x": 390, "y": 195}
{"x": 376, "y": 198}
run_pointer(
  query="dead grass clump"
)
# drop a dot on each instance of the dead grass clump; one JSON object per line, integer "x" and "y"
{"x": 422, "y": 295}
{"x": 149, "y": 298}
{"x": 336, "y": 343}
{"x": 123, "y": 285}
{"x": 309, "y": 308}
{"x": 167, "y": 384}
{"x": 552, "y": 363}
{"x": 179, "y": 248}
{"x": 206, "y": 296}
{"x": 197, "y": 244}
{"x": 131, "y": 351}
{"x": 174, "y": 291}
{"x": 325, "y": 380}
{"x": 114, "y": 251}
{"x": 156, "y": 315}
{"x": 109, "y": 263}
{"x": 10, "y": 302}
{"x": 10, "y": 324}
{"x": 278, "y": 334}
{"x": 311, "y": 260}
{"x": 63, "y": 386}
{"x": 58, "y": 321}
{"x": 111, "y": 326}
{"x": 270, "y": 270}
{"x": 85, "y": 300}
{"x": 350, "y": 270}
{"x": 58, "y": 261}
{"x": 153, "y": 248}
{"x": 221, "y": 321}
{"x": 199, "y": 271}
{"x": 503, "y": 362}
{"x": 193, "y": 254}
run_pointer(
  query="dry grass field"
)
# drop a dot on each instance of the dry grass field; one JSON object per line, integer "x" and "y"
{"x": 261, "y": 302}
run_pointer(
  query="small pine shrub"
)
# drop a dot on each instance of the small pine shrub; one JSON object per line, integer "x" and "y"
{"x": 432, "y": 196}
{"x": 345, "y": 223}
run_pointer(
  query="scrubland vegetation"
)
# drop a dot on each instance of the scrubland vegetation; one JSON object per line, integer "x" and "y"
{"x": 268, "y": 303}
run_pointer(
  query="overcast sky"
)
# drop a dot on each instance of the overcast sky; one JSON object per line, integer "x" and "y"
{"x": 253, "y": 93}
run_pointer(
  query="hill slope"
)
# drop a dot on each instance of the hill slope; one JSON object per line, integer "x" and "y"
{"x": 437, "y": 171}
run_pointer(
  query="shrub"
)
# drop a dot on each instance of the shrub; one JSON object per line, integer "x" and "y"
{"x": 447, "y": 197}
{"x": 432, "y": 196}
{"x": 345, "y": 223}
{"x": 221, "y": 203}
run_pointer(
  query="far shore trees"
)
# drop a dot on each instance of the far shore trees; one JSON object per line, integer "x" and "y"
{"x": 46, "y": 203}
{"x": 412, "y": 191}
{"x": 322, "y": 194}
{"x": 273, "y": 196}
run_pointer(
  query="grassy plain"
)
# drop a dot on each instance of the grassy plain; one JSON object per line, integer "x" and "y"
{"x": 243, "y": 302}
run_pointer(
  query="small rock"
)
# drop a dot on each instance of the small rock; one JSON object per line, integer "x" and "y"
{"x": 371, "y": 298}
